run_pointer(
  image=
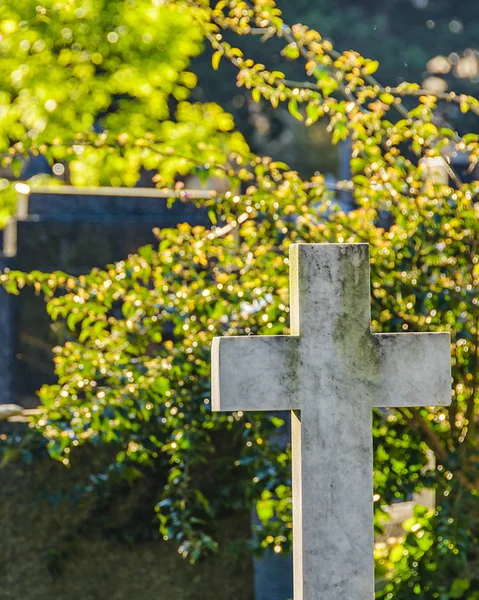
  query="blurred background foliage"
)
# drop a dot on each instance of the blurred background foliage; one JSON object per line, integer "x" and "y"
{"x": 113, "y": 93}
{"x": 413, "y": 40}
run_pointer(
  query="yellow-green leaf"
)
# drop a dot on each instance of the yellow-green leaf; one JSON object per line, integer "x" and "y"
{"x": 312, "y": 112}
{"x": 256, "y": 94}
{"x": 293, "y": 109}
{"x": 215, "y": 59}
{"x": 387, "y": 98}
{"x": 371, "y": 67}
{"x": 291, "y": 51}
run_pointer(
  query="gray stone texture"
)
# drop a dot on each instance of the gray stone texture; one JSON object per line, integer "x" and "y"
{"x": 330, "y": 373}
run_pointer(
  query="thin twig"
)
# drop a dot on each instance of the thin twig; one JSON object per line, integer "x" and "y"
{"x": 395, "y": 91}
{"x": 434, "y": 442}
{"x": 413, "y": 417}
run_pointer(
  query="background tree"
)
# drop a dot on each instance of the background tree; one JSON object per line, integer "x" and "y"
{"x": 133, "y": 373}
{"x": 428, "y": 41}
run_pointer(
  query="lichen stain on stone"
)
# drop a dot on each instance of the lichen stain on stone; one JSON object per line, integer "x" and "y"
{"x": 293, "y": 362}
{"x": 355, "y": 350}
{"x": 354, "y": 341}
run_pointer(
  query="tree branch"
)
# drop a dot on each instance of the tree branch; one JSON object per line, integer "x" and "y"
{"x": 419, "y": 424}
{"x": 396, "y": 91}
{"x": 434, "y": 442}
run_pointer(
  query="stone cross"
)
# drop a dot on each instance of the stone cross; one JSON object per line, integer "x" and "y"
{"x": 330, "y": 372}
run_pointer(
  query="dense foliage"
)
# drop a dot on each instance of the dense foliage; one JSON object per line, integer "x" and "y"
{"x": 95, "y": 87}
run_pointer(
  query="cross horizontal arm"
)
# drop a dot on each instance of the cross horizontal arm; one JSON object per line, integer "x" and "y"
{"x": 413, "y": 369}
{"x": 254, "y": 373}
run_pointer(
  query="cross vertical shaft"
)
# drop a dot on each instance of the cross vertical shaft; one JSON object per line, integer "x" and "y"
{"x": 332, "y": 515}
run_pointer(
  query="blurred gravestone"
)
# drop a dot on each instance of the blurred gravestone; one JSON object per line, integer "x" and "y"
{"x": 72, "y": 230}
{"x": 273, "y": 572}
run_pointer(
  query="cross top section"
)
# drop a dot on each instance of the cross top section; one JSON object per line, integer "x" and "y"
{"x": 329, "y": 280}
{"x": 331, "y": 347}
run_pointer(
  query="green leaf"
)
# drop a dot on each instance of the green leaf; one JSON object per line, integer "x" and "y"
{"x": 293, "y": 109}
{"x": 265, "y": 510}
{"x": 328, "y": 86}
{"x": 429, "y": 130}
{"x": 74, "y": 318}
{"x": 471, "y": 137}
{"x": 396, "y": 553}
{"x": 212, "y": 216}
{"x": 340, "y": 133}
{"x": 321, "y": 73}
{"x": 357, "y": 165}
{"x": 312, "y": 113}
{"x": 291, "y": 51}
{"x": 459, "y": 587}
{"x": 17, "y": 165}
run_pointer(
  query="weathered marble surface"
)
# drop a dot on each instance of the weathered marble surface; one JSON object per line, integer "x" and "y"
{"x": 331, "y": 372}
